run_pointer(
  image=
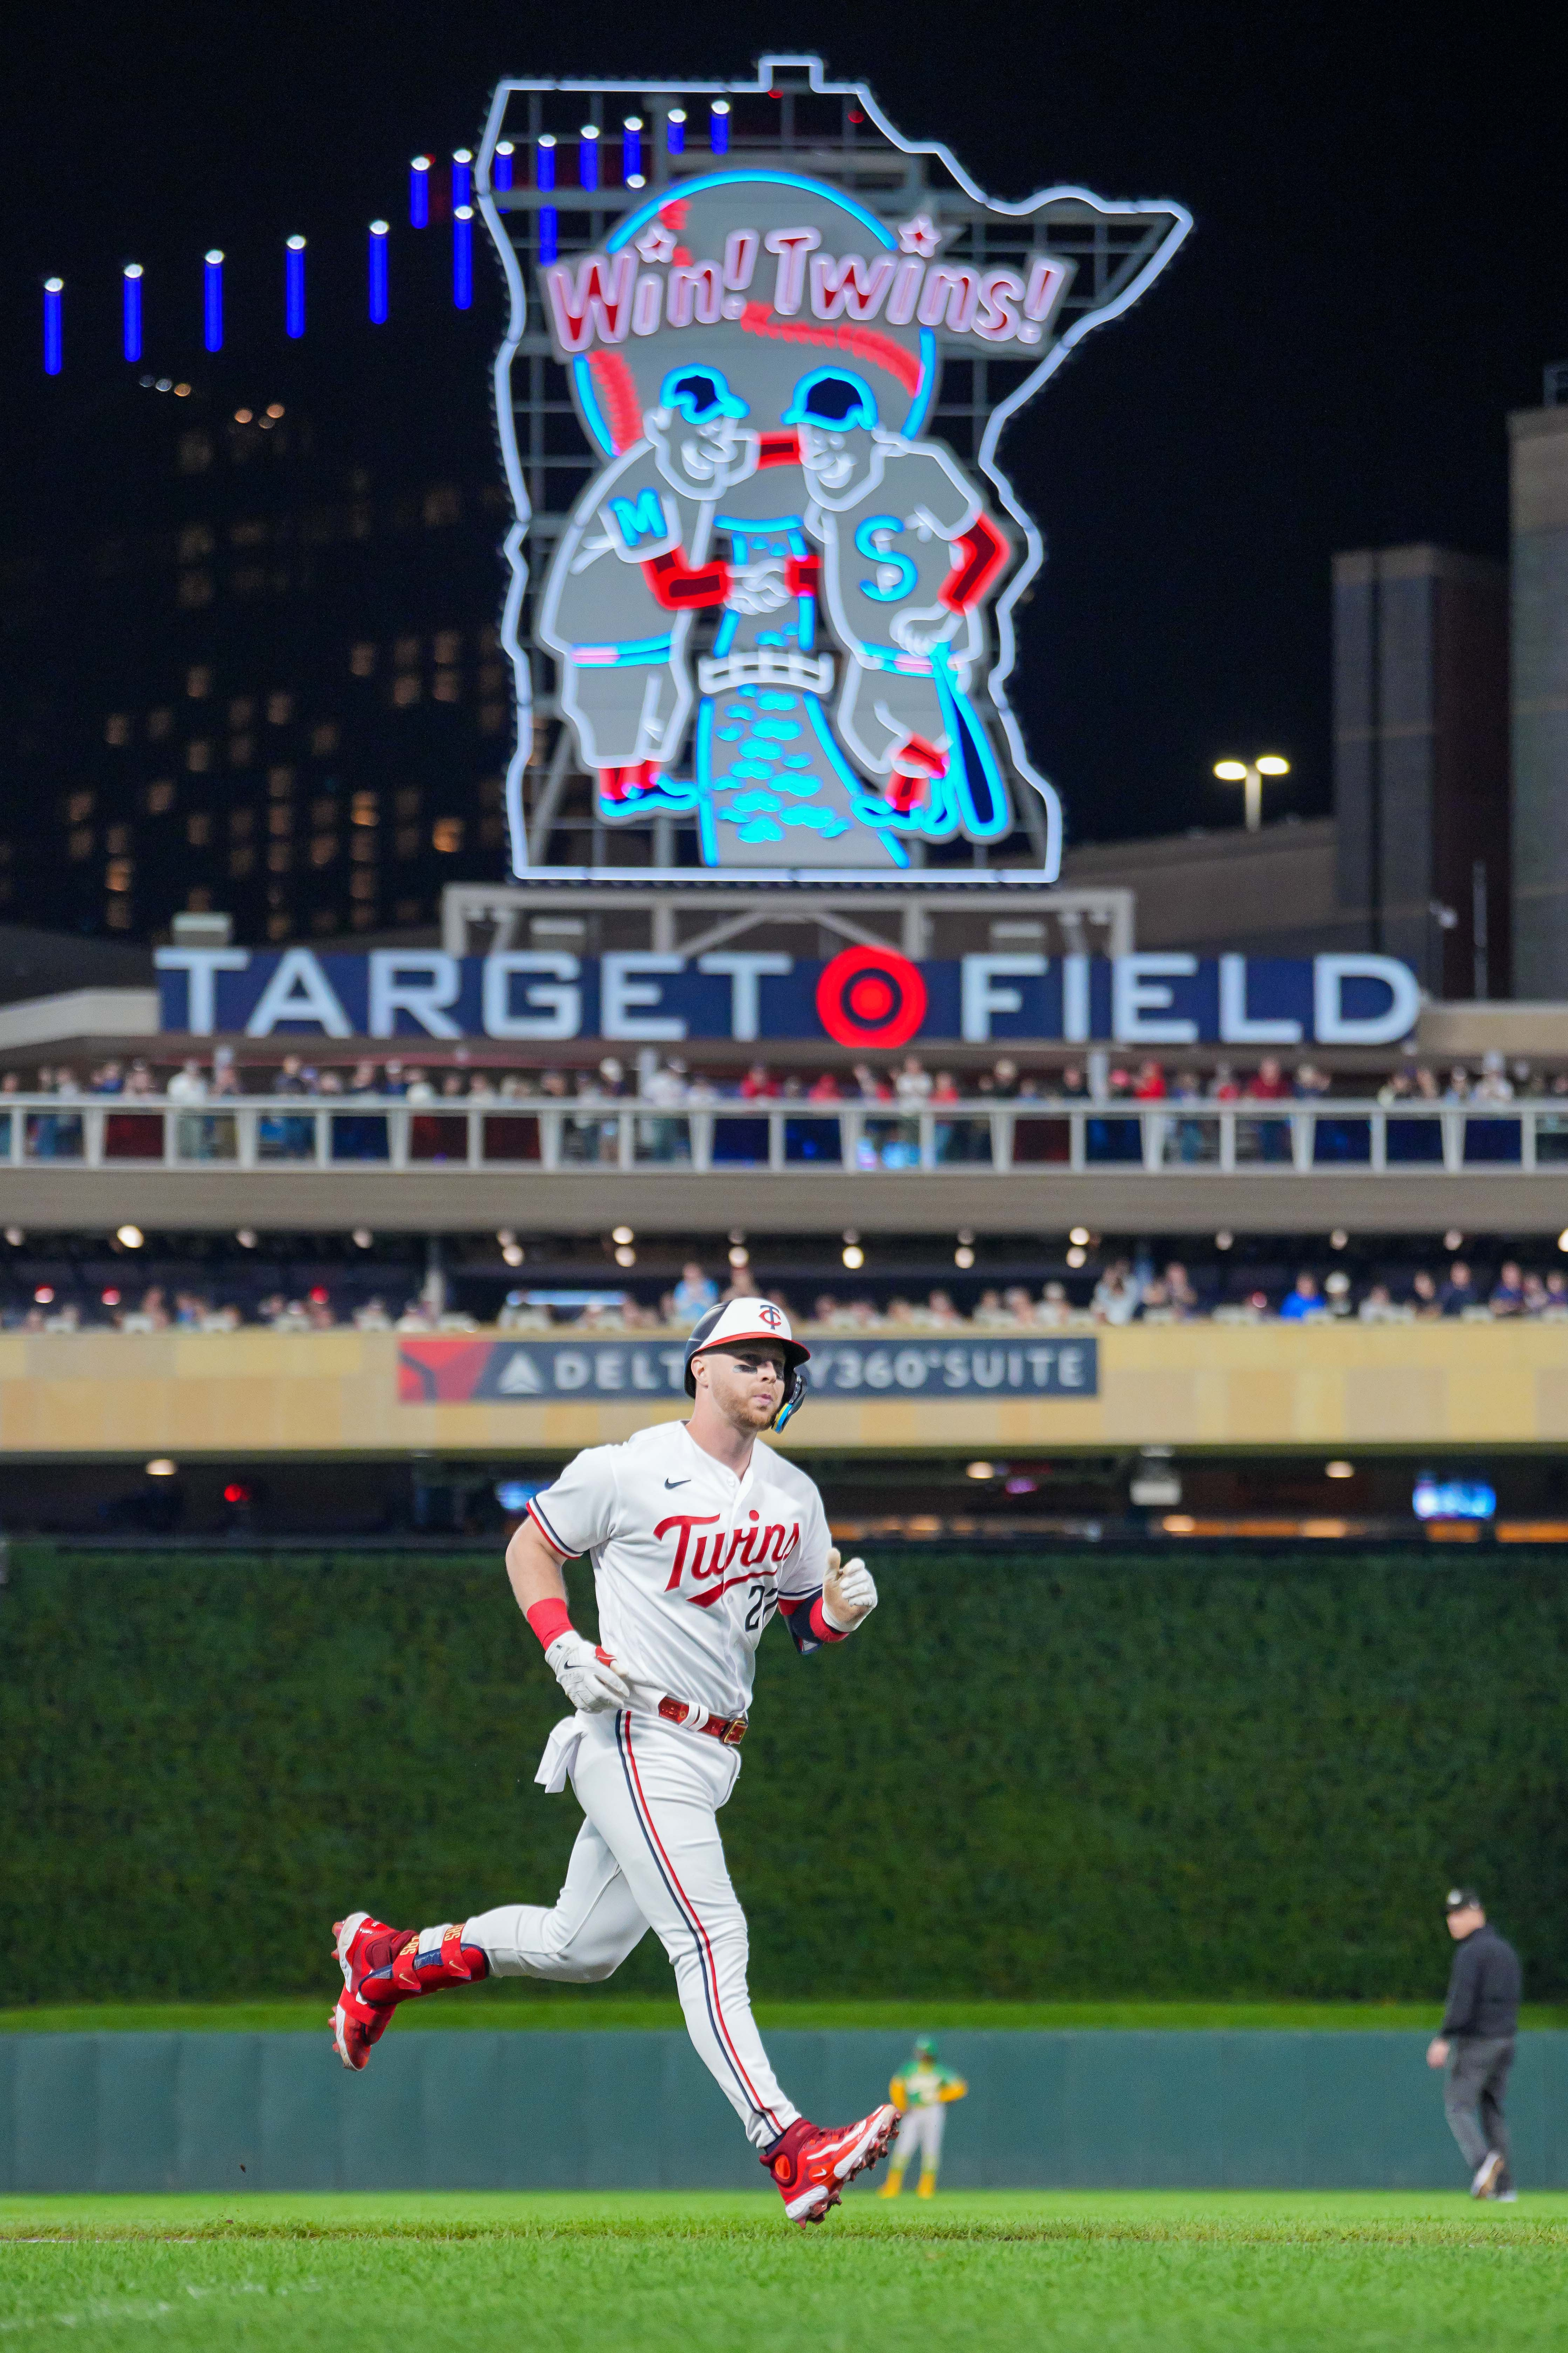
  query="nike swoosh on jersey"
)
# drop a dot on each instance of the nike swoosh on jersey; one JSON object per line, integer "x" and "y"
{"x": 678, "y": 1482}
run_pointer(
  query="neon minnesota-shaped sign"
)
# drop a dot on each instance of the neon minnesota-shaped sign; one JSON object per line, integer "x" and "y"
{"x": 775, "y": 622}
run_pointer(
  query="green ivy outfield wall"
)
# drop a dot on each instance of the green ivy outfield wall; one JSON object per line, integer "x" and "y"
{"x": 1030, "y": 1775}
{"x": 636, "y": 2111}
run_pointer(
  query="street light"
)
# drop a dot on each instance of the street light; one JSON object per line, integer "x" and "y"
{"x": 1251, "y": 774}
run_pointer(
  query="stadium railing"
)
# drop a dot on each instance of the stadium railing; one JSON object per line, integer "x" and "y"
{"x": 289, "y": 1131}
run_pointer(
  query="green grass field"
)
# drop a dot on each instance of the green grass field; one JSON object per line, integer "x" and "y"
{"x": 1218, "y": 2272}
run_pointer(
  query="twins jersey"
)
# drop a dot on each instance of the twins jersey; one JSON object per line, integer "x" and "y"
{"x": 689, "y": 1562}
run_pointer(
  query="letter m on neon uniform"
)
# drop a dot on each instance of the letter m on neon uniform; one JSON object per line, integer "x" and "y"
{"x": 642, "y": 518}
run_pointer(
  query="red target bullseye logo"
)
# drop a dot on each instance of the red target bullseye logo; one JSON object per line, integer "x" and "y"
{"x": 870, "y": 997}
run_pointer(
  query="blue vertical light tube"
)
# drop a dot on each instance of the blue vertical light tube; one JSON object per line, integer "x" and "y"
{"x": 130, "y": 310}
{"x": 675, "y": 130}
{"x": 419, "y": 192}
{"x": 545, "y": 178}
{"x": 54, "y": 325}
{"x": 588, "y": 156}
{"x": 462, "y": 177}
{"x": 719, "y": 126}
{"x": 463, "y": 257}
{"x": 212, "y": 301}
{"x": 294, "y": 288}
{"x": 500, "y": 165}
{"x": 631, "y": 151}
{"x": 378, "y": 273}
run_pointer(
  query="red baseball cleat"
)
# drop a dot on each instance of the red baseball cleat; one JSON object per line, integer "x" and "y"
{"x": 365, "y": 1949}
{"x": 811, "y": 2166}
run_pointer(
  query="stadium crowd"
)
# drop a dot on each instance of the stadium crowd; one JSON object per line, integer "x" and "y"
{"x": 1115, "y": 1291}
{"x": 908, "y": 1084}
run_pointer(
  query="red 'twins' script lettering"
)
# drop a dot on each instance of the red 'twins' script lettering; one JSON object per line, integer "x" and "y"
{"x": 683, "y": 1542}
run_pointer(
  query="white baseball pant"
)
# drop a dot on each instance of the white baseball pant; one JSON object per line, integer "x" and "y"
{"x": 921, "y": 2129}
{"x": 649, "y": 1856}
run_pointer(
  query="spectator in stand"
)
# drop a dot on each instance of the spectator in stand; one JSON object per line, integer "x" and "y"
{"x": 990, "y": 1315}
{"x": 945, "y": 1089}
{"x": 868, "y": 1086}
{"x": 1424, "y": 1298}
{"x": 1457, "y": 1089}
{"x": 1377, "y": 1307}
{"x": 695, "y": 1293}
{"x": 1494, "y": 1085}
{"x": 1116, "y": 1294}
{"x": 1182, "y": 1299}
{"x": 1267, "y": 1084}
{"x": 912, "y": 1085}
{"x": 1311, "y": 1083}
{"x": 1004, "y": 1079}
{"x": 1303, "y": 1303}
{"x": 1224, "y": 1087}
{"x": 418, "y": 1089}
{"x": 758, "y": 1085}
{"x": 1459, "y": 1292}
{"x": 1055, "y": 1308}
{"x": 1508, "y": 1290}
{"x": 1149, "y": 1086}
{"x": 373, "y": 1316}
{"x": 1072, "y": 1087}
{"x": 823, "y": 1087}
{"x": 187, "y": 1084}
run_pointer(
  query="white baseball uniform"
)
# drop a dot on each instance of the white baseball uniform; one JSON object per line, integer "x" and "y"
{"x": 689, "y": 1564}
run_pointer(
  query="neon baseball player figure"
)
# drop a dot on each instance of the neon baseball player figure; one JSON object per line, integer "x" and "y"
{"x": 922, "y": 2092}
{"x": 698, "y": 1537}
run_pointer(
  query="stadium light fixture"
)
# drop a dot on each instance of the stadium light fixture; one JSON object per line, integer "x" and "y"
{"x": 618, "y": 1234}
{"x": 853, "y": 1255}
{"x": 129, "y": 1237}
{"x": 1453, "y": 1239}
{"x": 1562, "y": 1239}
{"x": 739, "y": 1254}
{"x": 15, "y": 1236}
{"x": 1251, "y": 774}
{"x": 246, "y": 1238}
{"x": 981, "y": 1471}
{"x": 1339, "y": 1238}
{"x": 111, "y": 1298}
{"x": 512, "y": 1253}
{"x": 44, "y": 1296}
{"x": 130, "y": 311}
{"x": 626, "y": 1256}
{"x": 1339, "y": 1470}
{"x": 1078, "y": 1237}
{"x": 1076, "y": 1257}
{"x": 1224, "y": 1239}
{"x": 362, "y": 1238}
{"x": 162, "y": 1467}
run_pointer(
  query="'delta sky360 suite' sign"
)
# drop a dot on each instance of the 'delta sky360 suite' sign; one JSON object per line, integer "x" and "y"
{"x": 776, "y": 606}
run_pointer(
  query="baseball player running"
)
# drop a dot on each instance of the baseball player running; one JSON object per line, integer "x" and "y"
{"x": 698, "y": 1537}
{"x": 922, "y": 2090}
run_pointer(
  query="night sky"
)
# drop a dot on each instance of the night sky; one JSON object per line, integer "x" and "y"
{"x": 1376, "y": 277}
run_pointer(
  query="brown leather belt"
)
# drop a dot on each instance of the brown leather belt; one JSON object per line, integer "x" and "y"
{"x": 730, "y": 1729}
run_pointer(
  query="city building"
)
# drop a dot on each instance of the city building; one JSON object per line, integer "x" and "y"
{"x": 1538, "y": 451}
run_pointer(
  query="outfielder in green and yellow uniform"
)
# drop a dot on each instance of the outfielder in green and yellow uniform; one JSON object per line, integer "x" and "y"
{"x": 921, "y": 2091}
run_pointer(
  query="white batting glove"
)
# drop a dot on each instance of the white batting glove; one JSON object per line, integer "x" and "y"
{"x": 848, "y": 1594}
{"x": 586, "y": 1675}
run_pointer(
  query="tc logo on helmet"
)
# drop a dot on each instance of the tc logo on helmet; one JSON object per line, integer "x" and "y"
{"x": 770, "y": 1317}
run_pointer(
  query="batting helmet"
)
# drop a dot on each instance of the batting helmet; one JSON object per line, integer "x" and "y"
{"x": 751, "y": 1319}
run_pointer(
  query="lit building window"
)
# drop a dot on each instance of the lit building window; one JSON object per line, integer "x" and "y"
{"x": 492, "y": 830}
{"x": 366, "y": 807}
{"x": 117, "y": 914}
{"x": 159, "y": 723}
{"x": 198, "y": 756}
{"x": 408, "y": 839}
{"x": 362, "y": 848}
{"x": 408, "y": 801}
{"x": 492, "y": 678}
{"x": 404, "y": 691}
{"x": 279, "y": 858}
{"x": 242, "y": 712}
{"x": 323, "y": 849}
{"x": 447, "y": 646}
{"x": 492, "y": 718}
{"x": 199, "y": 830}
{"x": 442, "y": 504}
{"x": 117, "y": 729}
{"x": 241, "y": 863}
{"x": 278, "y": 925}
{"x": 117, "y": 840}
{"x": 279, "y": 783}
{"x": 80, "y": 842}
{"x": 279, "y": 709}
{"x": 195, "y": 454}
{"x": 362, "y": 661}
{"x": 241, "y": 751}
{"x": 198, "y": 681}
{"x": 161, "y": 798}
{"x": 324, "y": 738}
{"x": 119, "y": 874}
{"x": 196, "y": 541}
{"x": 241, "y": 824}
{"x": 489, "y": 639}
{"x": 195, "y": 590}
{"x": 199, "y": 900}
{"x": 406, "y": 653}
{"x": 324, "y": 919}
{"x": 446, "y": 834}
{"x": 248, "y": 535}
{"x": 408, "y": 911}
{"x": 324, "y": 813}
{"x": 78, "y": 806}
{"x": 362, "y": 885}
{"x": 490, "y": 792}
{"x": 280, "y": 821}
{"x": 448, "y": 686}
{"x": 362, "y": 918}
